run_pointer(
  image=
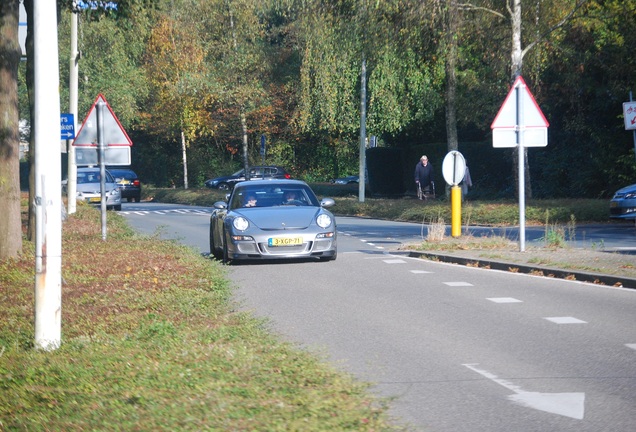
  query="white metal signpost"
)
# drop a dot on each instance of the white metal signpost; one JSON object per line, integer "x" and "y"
{"x": 520, "y": 123}
{"x": 116, "y": 140}
{"x": 453, "y": 169}
{"x": 105, "y": 142}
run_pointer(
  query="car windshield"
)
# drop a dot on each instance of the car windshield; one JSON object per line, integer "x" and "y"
{"x": 128, "y": 175}
{"x": 92, "y": 177}
{"x": 273, "y": 196}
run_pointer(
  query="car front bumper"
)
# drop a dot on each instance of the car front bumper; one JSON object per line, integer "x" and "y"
{"x": 258, "y": 250}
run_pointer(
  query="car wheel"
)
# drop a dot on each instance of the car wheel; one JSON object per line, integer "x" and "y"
{"x": 117, "y": 207}
{"x": 137, "y": 198}
{"x": 214, "y": 251}
{"x": 224, "y": 186}
{"x": 130, "y": 199}
{"x": 226, "y": 258}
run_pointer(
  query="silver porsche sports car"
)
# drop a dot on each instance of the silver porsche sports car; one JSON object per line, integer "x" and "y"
{"x": 272, "y": 219}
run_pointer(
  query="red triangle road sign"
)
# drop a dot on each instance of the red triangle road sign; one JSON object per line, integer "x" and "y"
{"x": 507, "y": 115}
{"x": 114, "y": 133}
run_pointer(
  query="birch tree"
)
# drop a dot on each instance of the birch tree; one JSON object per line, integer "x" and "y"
{"x": 545, "y": 25}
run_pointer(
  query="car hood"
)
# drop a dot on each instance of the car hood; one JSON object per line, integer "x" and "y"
{"x": 284, "y": 217}
{"x": 94, "y": 187}
{"x": 626, "y": 189}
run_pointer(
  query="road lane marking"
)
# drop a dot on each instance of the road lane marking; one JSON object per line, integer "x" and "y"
{"x": 632, "y": 346}
{"x": 565, "y": 320}
{"x": 420, "y": 271}
{"x": 564, "y": 404}
{"x": 504, "y": 300}
{"x": 458, "y": 284}
{"x": 198, "y": 212}
{"x": 394, "y": 261}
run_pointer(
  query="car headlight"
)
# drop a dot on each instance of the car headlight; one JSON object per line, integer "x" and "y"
{"x": 323, "y": 220}
{"x": 630, "y": 195}
{"x": 240, "y": 223}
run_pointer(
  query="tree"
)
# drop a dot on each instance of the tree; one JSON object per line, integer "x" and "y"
{"x": 398, "y": 41}
{"x": 545, "y": 23}
{"x": 176, "y": 70}
{"x": 10, "y": 222}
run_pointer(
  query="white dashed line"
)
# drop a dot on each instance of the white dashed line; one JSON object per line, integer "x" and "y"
{"x": 420, "y": 271}
{"x": 394, "y": 261}
{"x": 504, "y": 300}
{"x": 632, "y": 346}
{"x": 458, "y": 284}
{"x": 565, "y": 320}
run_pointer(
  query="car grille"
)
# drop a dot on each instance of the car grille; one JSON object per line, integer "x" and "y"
{"x": 285, "y": 250}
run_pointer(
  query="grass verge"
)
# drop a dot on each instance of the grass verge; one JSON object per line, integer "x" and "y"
{"x": 407, "y": 208}
{"x": 151, "y": 342}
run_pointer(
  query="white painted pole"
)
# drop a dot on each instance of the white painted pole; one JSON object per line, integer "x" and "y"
{"x": 101, "y": 157}
{"x": 71, "y": 186}
{"x": 48, "y": 178}
{"x": 522, "y": 174}
{"x": 363, "y": 131}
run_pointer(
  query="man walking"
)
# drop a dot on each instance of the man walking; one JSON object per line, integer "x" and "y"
{"x": 424, "y": 177}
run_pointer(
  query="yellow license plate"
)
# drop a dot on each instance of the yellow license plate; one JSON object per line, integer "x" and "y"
{"x": 95, "y": 199}
{"x": 285, "y": 241}
{"x": 613, "y": 204}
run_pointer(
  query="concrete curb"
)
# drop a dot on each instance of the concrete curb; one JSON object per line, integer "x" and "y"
{"x": 595, "y": 278}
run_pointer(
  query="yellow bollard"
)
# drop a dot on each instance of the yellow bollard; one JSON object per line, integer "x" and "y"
{"x": 456, "y": 211}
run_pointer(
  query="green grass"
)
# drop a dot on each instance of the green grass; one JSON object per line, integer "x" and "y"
{"x": 151, "y": 341}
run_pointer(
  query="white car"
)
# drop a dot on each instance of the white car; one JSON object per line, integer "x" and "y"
{"x": 89, "y": 188}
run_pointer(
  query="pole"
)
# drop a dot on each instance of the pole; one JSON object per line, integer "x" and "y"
{"x": 363, "y": 129}
{"x": 456, "y": 211}
{"x": 73, "y": 73}
{"x": 634, "y": 131}
{"x": 101, "y": 154}
{"x": 48, "y": 178}
{"x": 521, "y": 166}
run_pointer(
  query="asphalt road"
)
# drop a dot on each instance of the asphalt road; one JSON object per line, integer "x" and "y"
{"x": 459, "y": 348}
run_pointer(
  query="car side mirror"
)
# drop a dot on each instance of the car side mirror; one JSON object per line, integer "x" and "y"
{"x": 327, "y": 202}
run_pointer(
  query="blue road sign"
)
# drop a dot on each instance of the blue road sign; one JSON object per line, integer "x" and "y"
{"x": 67, "y": 126}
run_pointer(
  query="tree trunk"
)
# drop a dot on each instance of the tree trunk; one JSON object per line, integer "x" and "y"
{"x": 451, "y": 79}
{"x": 246, "y": 162}
{"x": 30, "y": 79}
{"x": 451, "y": 76}
{"x": 516, "y": 66}
{"x": 185, "y": 160}
{"x": 10, "y": 224}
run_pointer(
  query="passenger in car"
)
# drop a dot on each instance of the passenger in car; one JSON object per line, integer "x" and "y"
{"x": 250, "y": 201}
{"x": 291, "y": 197}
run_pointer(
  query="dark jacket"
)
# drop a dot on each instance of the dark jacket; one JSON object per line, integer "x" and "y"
{"x": 424, "y": 174}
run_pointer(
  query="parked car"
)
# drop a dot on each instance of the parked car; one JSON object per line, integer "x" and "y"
{"x": 256, "y": 173}
{"x": 347, "y": 180}
{"x": 623, "y": 204}
{"x": 128, "y": 182}
{"x": 89, "y": 188}
{"x": 262, "y": 220}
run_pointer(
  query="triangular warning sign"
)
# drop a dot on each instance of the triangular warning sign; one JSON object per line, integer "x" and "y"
{"x": 114, "y": 133}
{"x": 507, "y": 117}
